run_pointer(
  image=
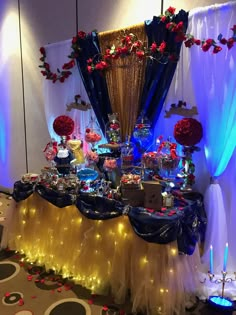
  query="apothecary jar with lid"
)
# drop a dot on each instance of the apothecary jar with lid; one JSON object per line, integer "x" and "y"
{"x": 113, "y": 132}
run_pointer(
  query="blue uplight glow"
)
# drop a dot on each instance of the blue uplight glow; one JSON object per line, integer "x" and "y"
{"x": 221, "y": 301}
{"x": 220, "y": 146}
{"x": 3, "y": 144}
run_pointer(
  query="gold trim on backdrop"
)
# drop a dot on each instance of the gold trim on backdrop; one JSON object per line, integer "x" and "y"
{"x": 125, "y": 78}
{"x": 128, "y": 28}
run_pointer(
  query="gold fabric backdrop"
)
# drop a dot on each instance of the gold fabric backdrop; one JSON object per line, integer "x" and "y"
{"x": 125, "y": 78}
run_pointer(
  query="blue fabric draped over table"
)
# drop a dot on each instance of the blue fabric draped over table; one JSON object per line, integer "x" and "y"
{"x": 185, "y": 222}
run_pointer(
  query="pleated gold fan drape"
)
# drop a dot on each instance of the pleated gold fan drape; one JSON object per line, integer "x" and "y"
{"x": 125, "y": 78}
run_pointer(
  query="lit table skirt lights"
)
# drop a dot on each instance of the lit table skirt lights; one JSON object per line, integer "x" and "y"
{"x": 105, "y": 255}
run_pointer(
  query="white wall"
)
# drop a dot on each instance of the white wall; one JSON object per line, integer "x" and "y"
{"x": 23, "y": 129}
{"x": 12, "y": 135}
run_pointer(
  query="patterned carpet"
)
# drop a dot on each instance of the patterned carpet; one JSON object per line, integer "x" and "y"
{"x": 28, "y": 289}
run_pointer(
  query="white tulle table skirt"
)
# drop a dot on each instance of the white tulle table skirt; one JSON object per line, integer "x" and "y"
{"x": 105, "y": 255}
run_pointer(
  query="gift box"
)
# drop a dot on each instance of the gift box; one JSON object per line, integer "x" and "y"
{"x": 132, "y": 197}
{"x": 152, "y": 195}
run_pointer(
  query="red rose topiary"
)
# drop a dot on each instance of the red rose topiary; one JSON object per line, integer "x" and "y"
{"x": 63, "y": 125}
{"x": 188, "y": 131}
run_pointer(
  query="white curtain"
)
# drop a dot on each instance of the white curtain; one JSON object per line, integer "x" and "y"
{"x": 214, "y": 86}
{"x": 58, "y": 95}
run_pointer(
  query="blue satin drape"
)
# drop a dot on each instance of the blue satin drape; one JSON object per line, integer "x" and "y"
{"x": 186, "y": 225}
{"x": 159, "y": 75}
{"x": 95, "y": 83}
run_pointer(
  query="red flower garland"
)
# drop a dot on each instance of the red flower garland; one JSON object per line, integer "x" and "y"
{"x": 63, "y": 125}
{"x": 188, "y": 131}
{"x": 130, "y": 44}
{"x": 61, "y": 75}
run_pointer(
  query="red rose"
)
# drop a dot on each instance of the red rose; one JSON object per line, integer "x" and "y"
{"x": 128, "y": 38}
{"x": 170, "y": 26}
{"x": 140, "y": 126}
{"x": 74, "y": 40}
{"x": 197, "y": 41}
{"x": 81, "y": 34}
{"x": 46, "y": 65}
{"x": 138, "y": 44}
{"x": 162, "y": 47}
{"x": 223, "y": 41}
{"x": 107, "y": 57}
{"x": 98, "y": 66}
{"x": 217, "y": 49}
{"x": 206, "y": 47}
{"x": 65, "y": 66}
{"x": 209, "y": 41}
{"x": 233, "y": 28}
{"x": 67, "y": 74}
{"x": 189, "y": 42}
{"x": 171, "y": 10}
{"x": 179, "y": 26}
{"x": 153, "y": 47}
{"x": 140, "y": 54}
{"x": 104, "y": 64}
{"x": 118, "y": 51}
{"x": 89, "y": 68}
{"x": 42, "y": 50}
{"x": 115, "y": 56}
{"x": 163, "y": 18}
{"x": 124, "y": 50}
{"x": 180, "y": 37}
{"x": 71, "y": 63}
{"x": 230, "y": 43}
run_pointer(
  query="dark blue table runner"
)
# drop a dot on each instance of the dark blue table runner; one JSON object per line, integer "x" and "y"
{"x": 185, "y": 222}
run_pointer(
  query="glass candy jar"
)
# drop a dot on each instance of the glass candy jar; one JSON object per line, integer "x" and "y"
{"x": 113, "y": 134}
{"x": 92, "y": 133}
{"x": 92, "y": 158}
{"x": 127, "y": 154}
{"x": 50, "y": 151}
{"x": 110, "y": 164}
{"x": 167, "y": 158}
{"x": 149, "y": 160}
{"x": 142, "y": 133}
